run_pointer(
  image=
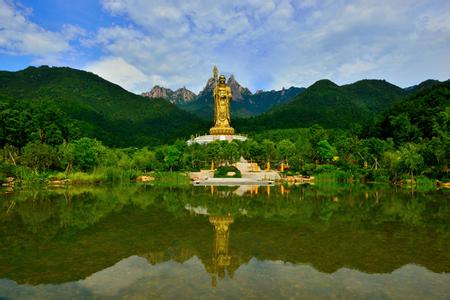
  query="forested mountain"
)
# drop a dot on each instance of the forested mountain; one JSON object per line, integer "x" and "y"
{"x": 422, "y": 115}
{"x": 329, "y": 105}
{"x": 62, "y": 103}
{"x": 91, "y": 106}
{"x": 48, "y": 115}
{"x": 423, "y": 85}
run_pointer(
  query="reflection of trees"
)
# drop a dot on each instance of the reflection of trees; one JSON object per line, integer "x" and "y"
{"x": 80, "y": 208}
{"x": 40, "y": 220}
{"x": 368, "y": 230}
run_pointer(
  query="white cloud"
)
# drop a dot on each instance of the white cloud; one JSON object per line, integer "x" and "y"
{"x": 439, "y": 21}
{"x": 117, "y": 70}
{"x": 306, "y": 3}
{"x": 364, "y": 39}
{"x": 358, "y": 67}
{"x": 19, "y": 36}
{"x": 71, "y": 32}
{"x": 296, "y": 42}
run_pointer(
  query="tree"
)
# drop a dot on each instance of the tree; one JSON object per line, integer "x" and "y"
{"x": 40, "y": 157}
{"x": 255, "y": 150}
{"x": 213, "y": 150}
{"x": 403, "y": 130}
{"x": 172, "y": 158}
{"x": 231, "y": 151}
{"x": 375, "y": 149}
{"x": 391, "y": 161}
{"x": 143, "y": 159}
{"x": 325, "y": 151}
{"x": 285, "y": 149}
{"x": 86, "y": 153}
{"x": 317, "y": 134}
{"x": 269, "y": 149}
{"x": 410, "y": 159}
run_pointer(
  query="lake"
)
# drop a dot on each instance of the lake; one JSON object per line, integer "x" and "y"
{"x": 301, "y": 242}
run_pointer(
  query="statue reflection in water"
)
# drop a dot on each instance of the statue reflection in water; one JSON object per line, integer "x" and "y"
{"x": 221, "y": 258}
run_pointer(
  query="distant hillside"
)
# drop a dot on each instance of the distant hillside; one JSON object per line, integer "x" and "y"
{"x": 243, "y": 104}
{"x": 329, "y": 105}
{"x": 424, "y": 114}
{"x": 421, "y": 86}
{"x": 263, "y": 101}
{"x": 100, "y": 108}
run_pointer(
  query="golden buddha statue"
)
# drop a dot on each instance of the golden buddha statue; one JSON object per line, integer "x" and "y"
{"x": 222, "y": 97}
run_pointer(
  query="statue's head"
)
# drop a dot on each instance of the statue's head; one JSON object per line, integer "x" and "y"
{"x": 222, "y": 79}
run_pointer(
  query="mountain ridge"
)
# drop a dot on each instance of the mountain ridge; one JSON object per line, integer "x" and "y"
{"x": 243, "y": 103}
{"x": 329, "y": 105}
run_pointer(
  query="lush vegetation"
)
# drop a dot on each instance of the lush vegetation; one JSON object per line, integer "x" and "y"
{"x": 227, "y": 172}
{"x": 95, "y": 107}
{"x": 328, "y": 105}
{"x": 59, "y": 123}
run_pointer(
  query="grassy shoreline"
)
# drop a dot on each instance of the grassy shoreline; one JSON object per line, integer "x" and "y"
{"x": 99, "y": 176}
{"x": 114, "y": 176}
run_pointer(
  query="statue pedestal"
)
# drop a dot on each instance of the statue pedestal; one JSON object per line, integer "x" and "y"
{"x": 221, "y": 131}
{"x": 205, "y": 139}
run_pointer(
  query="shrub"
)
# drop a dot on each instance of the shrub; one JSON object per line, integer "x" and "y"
{"x": 223, "y": 171}
{"x": 325, "y": 168}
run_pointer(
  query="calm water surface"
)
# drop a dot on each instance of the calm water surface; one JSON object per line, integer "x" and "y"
{"x": 212, "y": 243}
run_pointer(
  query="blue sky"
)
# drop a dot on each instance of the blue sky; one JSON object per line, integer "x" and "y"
{"x": 266, "y": 44}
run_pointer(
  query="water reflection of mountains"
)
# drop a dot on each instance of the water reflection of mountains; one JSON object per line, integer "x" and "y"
{"x": 50, "y": 237}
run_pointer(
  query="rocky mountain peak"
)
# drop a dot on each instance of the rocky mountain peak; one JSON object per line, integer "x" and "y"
{"x": 184, "y": 95}
{"x": 158, "y": 92}
{"x": 180, "y": 96}
{"x": 208, "y": 89}
{"x": 239, "y": 92}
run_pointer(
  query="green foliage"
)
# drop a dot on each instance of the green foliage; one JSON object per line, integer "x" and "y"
{"x": 325, "y": 151}
{"x": 42, "y": 102}
{"x": 224, "y": 171}
{"x": 254, "y": 150}
{"x": 328, "y": 105}
{"x": 286, "y": 149}
{"x": 410, "y": 159}
{"x": 57, "y": 121}
{"x": 144, "y": 159}
{"x": 172, "y": 159}
{"x": 40, "y": 121}
{"x": 85, "y": 153}
{"x": 171, "y": 179}
{"x": 418, "y": 125}
{"x": 423, "y": 114}
{"x": 329, "y": 175}
{"x": 231, "y": 152}
{"x": 40, "y": 157}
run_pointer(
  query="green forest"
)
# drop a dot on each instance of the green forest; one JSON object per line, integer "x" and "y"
{"x": 61, "y": 123}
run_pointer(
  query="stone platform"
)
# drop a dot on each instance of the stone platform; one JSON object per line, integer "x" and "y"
{"x": 251, "y": 175}
{"x": 231, "y": 182}
{"x": 205, "y": 139}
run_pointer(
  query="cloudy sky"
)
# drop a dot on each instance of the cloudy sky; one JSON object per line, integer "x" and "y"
{"x": 266, "y": 44}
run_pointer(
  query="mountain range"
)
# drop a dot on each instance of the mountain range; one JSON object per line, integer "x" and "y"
{"x": 329, "y": 105}
{"x": 244, "y": 102}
